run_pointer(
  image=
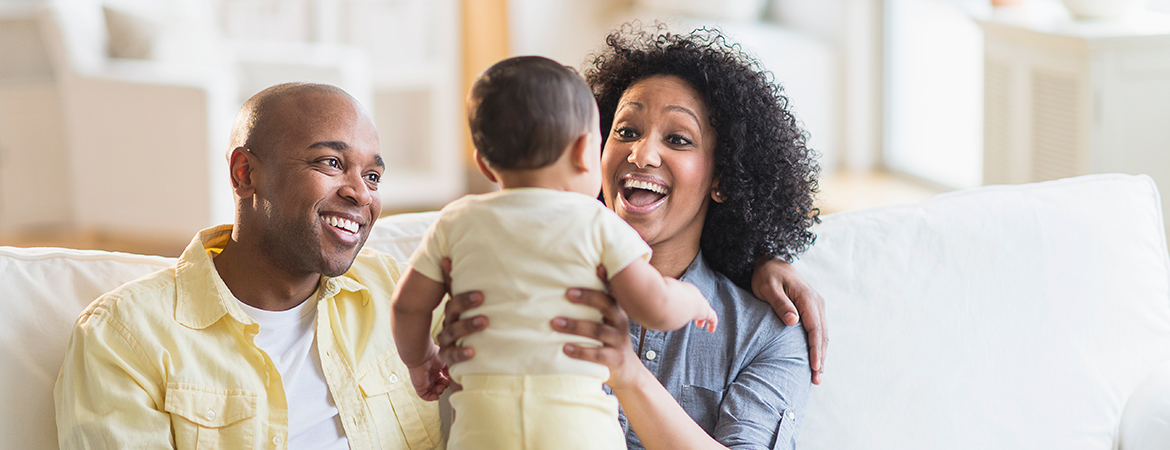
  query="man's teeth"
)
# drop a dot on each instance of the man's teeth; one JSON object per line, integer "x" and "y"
{"x": 345, "y": 224}
{"x": 639, "y": 184}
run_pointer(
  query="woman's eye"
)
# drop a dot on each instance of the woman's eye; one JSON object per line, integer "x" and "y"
{"x": 625, "y": 133}
{"x": 675, "y": 139}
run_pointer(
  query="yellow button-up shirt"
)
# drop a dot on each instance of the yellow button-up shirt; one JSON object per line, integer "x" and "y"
{"x": 168, "y": 361}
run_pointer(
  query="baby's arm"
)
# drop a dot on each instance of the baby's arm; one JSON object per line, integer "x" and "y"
{"x": 659, "y": 302}
{"x": 415, "y": 299}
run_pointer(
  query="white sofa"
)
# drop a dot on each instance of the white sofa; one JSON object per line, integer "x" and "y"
{"x": 1005, "y": 317}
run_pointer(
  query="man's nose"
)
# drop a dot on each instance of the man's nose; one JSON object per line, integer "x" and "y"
{"x": 355, "y": 190}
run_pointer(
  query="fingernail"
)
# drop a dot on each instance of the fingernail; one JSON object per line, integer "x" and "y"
{"x": 574, "y": 293}
{"x": 559, "y": 323}
{"x": 570, "y": 348}
{"x": 791, "y": 318}
{"x": 479, "y": 322}
{"x": 468, "y": 352}
{"x": 476, "y": 297}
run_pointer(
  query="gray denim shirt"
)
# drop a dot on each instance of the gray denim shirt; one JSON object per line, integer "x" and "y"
{"x": 747, "y": 383}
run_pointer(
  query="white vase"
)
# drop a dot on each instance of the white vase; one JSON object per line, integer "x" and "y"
{"x": 1102, "y": 9}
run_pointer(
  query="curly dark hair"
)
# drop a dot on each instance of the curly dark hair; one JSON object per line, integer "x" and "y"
{"x": 767, "y": 175}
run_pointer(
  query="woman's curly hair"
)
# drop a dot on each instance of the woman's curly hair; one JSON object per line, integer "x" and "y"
{"x": 766, "y": 174}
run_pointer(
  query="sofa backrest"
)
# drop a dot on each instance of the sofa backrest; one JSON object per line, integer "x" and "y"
{"x": 42, "y": 291}
{"x": 1004, "y": 317}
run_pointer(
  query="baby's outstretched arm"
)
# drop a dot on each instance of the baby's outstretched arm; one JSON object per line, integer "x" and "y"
{"x": 659, "y": 302}
{"x": 415, "y": 299}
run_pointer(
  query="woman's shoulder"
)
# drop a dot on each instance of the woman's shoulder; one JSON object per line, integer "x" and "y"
{"x": 749, "y": 320}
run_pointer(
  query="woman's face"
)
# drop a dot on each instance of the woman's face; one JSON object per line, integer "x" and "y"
{"x": 658, "y": 164}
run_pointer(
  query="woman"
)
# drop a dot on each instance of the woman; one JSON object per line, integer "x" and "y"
{"x": 703, "y": 159}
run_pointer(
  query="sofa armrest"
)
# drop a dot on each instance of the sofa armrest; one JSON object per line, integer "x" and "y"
{"x": 1145, "y": 421}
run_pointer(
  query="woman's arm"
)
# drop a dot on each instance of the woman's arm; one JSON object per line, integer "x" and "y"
{"x": 652, "y": 412}
{"x": 778, "y": 283}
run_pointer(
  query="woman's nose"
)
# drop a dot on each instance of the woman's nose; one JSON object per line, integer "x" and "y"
{"x": 644, "y": 153}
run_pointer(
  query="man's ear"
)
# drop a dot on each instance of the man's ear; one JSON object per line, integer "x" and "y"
{"x": 484, "y": 169}
{"x": 577, "y": 153}
{"x": 242, "y": 162}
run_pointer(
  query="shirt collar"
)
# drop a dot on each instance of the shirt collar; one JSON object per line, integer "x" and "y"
{"x": 202, "y": 298}
{"x": 701, "y": 275}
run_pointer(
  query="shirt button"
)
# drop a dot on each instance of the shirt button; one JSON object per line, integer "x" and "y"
{"x": 276, "y": 440}
{"x": 393, "y": 378}
{"x": 651, "y": 354}
{"x": 790, "y": 415}
{"x": 210, "y": 415}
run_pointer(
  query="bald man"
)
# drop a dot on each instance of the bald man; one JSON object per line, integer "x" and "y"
{"x": 272, "y": 332}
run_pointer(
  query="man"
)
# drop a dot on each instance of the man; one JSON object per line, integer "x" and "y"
{"x": 269, "y": 333}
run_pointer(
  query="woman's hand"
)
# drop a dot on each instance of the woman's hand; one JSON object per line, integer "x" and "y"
{"x": 455, "y": 327}
{"x": 616, "y": 351}
{"x": 778, "y": 283}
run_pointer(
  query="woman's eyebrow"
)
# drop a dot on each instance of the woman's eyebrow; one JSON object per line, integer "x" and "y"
{"x": 688, "y": 112}
{"x": 631, "y": 104}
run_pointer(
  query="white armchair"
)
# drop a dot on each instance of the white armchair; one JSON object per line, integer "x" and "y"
{"x": 147, "y": 137}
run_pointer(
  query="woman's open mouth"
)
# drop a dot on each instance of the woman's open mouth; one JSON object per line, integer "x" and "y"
{"x": 641, "y": 195}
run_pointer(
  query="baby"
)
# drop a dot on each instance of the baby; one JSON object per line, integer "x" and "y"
{"x": 535, "y": 127}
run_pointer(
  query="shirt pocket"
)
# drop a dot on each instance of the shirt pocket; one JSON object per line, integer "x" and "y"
{"x": 702, "y": 405}
{"x": 208, "y": 418}
{"x": 401, "y": 416}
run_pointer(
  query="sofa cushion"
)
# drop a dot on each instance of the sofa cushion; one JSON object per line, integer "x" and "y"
{"x": 1000, "y": 317}
{"x": 42, "y": 291}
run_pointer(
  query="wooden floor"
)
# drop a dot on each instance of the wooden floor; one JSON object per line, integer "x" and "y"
{"x": 839, "y": 192}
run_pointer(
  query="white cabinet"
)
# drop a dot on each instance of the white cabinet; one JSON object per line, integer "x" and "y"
{"x": 1065, "y": 98}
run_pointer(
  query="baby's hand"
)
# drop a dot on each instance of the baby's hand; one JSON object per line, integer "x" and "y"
{"x": 707, "y": 318}
{"x": 430, "y": 378}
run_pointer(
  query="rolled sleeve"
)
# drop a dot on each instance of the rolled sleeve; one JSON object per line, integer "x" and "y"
{"x": 763, "y": 406}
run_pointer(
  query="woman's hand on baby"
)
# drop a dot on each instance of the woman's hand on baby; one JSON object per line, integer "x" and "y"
{"x": 430, "y": 378}
{"x": 779, "y": 284}
{"x": 616, "y": 351}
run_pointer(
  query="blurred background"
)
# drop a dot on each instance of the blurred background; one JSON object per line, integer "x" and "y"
{"x": 115, "y": 114}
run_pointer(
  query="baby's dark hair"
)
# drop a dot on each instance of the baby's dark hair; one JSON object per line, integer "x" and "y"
{"x": 524, "y": 111}
{"x": 767, "y": 176}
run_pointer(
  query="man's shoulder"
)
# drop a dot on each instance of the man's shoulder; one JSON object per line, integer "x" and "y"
{"x": 151, "y": 295}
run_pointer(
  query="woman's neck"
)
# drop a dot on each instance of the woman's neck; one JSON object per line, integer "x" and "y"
{"x": 673, "y": 256}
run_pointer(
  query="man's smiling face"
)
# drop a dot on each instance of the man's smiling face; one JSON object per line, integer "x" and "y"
{"x": 317, "y": 187}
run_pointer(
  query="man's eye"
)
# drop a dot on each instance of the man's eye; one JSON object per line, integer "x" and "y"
{"x": 374, "y": 178}
{"x": 331, "y": 162}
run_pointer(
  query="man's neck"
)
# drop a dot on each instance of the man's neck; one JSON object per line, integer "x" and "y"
{"x": 252, "y": 278}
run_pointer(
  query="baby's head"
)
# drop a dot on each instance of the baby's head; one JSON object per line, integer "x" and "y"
{"x": 526, "y": 112}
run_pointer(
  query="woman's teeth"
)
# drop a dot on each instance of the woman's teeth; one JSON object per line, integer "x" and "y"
{"x": 344, "y": 224}
{"x": 639, "y": 184}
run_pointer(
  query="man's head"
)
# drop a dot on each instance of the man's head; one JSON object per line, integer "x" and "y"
{"x": 305, "y": 168}
{"x": 525, "y": 111}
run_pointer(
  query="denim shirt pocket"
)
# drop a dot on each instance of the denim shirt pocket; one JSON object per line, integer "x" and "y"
{"x": 385, "y": 383}
{"x": 702, "y": 404}
{"x": 206, "y": 418}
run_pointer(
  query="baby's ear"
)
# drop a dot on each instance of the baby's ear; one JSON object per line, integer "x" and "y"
{"x": 484, "y": 169}
{"x": 579, "y": 154}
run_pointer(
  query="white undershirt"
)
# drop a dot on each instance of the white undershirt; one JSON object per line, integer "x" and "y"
{"x": 288, "y": 338}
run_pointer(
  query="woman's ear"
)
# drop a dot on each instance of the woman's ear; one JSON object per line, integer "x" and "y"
{"x": 716, "y": 194}
{"x": 242, "y": 163}
{"x": 484, "y": 169}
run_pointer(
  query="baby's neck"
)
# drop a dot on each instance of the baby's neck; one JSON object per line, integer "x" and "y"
{"x": 548, "y": 177}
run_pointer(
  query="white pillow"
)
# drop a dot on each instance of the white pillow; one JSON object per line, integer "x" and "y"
{"x": 1145, "y": 423}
